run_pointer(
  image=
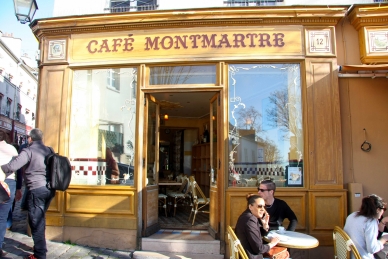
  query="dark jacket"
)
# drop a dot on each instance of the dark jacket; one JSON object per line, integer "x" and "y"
{"x": 20, "y": 172}
{"x": 34, "y": 158}
{"x": 249, "y": 231}
{"x": 279, "y": 211}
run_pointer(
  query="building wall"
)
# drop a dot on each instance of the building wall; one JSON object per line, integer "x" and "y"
{"x": 363, "y": 104}
{"x": 18, "y": 83}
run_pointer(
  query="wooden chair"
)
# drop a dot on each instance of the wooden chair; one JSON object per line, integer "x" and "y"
{"x": 236, "y": 251}
{"x": 199, "y": 199}
{"x": 181, "y": 195}
{"x": 343, "y": 245}
{"x": 162, "y": 200}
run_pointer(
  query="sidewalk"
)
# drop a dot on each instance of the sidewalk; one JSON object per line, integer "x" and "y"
{"x": 18, "y": 245}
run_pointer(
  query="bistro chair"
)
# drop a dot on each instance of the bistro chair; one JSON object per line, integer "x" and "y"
{"x": 181, "y": 195}
{"x": 199, "y": 199}
{"x": 162, "y": 200}
{"x": 236, "y": 251}
{"x": 343, "y": 245}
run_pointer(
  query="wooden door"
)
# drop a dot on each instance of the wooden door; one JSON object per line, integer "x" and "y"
{"x": 151, "y": 167}
{"x": 214, "y": 208}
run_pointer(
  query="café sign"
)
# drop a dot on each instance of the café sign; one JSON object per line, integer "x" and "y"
{"x": 177, "y": 44}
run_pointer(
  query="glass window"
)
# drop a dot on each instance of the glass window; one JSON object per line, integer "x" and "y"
{"x": 8, "y": 107}
{"x": 113, "y": 79}
{"x": 18, "y": 112}
{"x": 265, "y": 125}
{"x": 182, "y": 75}
{"x": 102, "y": 131}
{"x": 118, "y": 6}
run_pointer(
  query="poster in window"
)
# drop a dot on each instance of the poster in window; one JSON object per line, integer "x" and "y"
{"x": 295, "y": 176}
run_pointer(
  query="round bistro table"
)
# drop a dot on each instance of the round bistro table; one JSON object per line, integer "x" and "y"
{"x": 291, "y": 239}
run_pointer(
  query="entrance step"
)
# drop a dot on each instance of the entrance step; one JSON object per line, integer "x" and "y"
{"x": 197, "y": 243}
{"x": 167, "y": 255}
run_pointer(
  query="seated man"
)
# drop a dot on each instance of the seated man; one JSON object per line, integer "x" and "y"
{"x": 277, "y": 209}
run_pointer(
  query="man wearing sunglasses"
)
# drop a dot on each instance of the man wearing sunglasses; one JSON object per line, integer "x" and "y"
{"x": 277, "y": 209}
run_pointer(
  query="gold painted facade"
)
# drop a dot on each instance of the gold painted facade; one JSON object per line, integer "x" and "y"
{"x": 113, "y": 208}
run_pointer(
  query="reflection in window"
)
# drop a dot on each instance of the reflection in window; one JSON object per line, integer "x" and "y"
{"x": 8, "y": 107}
{"x": 182, "y": 75}
{"x": 102, "y": 131}
{"x": 265, "y": 121}
{"x": 113, "y": 79}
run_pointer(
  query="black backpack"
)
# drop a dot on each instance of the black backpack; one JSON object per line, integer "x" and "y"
{"x": 58, "y": 171}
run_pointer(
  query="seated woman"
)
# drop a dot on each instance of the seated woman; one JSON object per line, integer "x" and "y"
{"x": 383, "y": 230}
{"x": 362, "y": 226}
{"x": 251, "y": 225}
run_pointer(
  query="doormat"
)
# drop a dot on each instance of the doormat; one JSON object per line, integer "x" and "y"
{"x": 181, "y": 221}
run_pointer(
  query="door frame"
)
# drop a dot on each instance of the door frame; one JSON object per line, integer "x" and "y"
{"x": 150, "y": 223}
{"x": 218, "y": 92}
{"x": 221, "y": 88}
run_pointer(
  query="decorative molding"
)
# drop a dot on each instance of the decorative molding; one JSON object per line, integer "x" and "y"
{"x": 164, "y": 25}
{"x": 374, "y": 45}
{"x": 197, "y": 17}
{"x": 378, "y": 41}
{"x": 320, "y": 41}
{"x": 57, "y": 50}
{"x": 369, "y": 15}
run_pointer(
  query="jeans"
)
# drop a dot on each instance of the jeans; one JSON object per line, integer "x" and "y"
{"x": 5, "y": 208}
{"x": 38, "y": 201}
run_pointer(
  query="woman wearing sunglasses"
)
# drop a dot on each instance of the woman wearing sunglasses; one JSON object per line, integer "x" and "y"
{"x": 251, "y": 225}
{"x": 363, "y": 226}
{"x": 383, "y": 230}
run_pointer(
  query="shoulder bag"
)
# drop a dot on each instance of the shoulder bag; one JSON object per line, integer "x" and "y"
{"x": 277, "y": 252}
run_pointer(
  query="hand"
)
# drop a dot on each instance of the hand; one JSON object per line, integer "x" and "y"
{"x": 274, "y": 241}
{"x": 18, "y": 195}
{"x": 384, "y": 220}
{"x": 265, "y": 219}
{"x": 2, "y": 175}
{"x": 384, "y": 239}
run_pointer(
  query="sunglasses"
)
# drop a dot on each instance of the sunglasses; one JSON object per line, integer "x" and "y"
{"x": 263, "y": 190}
{"x": 260, "y": 206}
{"x": 384, "y": 209}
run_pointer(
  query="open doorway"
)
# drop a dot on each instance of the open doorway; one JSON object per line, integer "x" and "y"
{"x": 184, "y": 126}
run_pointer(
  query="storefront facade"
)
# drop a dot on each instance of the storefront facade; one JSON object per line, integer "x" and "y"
{"x": 270, "y": 75}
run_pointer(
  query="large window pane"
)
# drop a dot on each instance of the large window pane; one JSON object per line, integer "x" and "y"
{"x": 182, "y": 75}
{"x": 265, "y": 125}
{"x": 102, "y": 127}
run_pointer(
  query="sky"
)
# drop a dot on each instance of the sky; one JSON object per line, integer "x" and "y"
{"x": 9, "y": 23}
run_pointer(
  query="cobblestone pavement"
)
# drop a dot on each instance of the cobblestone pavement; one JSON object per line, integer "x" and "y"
{"x": 19, "y": 245}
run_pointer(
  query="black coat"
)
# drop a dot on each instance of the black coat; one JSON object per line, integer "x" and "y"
{"x": 249, "y": 231}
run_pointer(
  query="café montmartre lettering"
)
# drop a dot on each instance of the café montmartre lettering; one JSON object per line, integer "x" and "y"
{"x": 195, "y": 41}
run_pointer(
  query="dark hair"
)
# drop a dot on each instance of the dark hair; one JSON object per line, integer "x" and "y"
{"x": 251, "y": 198}
{"x": 369, "y": 206}
{"x": 3, "y": 135}
{"x": 270, "y": 184}
{"x": 36, "y": 134}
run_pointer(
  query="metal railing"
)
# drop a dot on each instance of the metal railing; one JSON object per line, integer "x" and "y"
{"x": 231, "y": 3}
{"x": 124, "y": 9}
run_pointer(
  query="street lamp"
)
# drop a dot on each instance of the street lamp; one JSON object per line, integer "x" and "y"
{"x": 25, "y": 10}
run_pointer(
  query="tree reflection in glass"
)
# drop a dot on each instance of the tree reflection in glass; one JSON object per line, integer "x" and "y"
{"x": 265, "y": 123}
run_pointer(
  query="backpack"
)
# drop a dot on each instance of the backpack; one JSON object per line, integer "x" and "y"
{"x": 58, "y": 171}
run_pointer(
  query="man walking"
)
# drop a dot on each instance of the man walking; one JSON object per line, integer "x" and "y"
{"x": 40, "y": 196}
{"x": 277, "y": 209}
{"x": 7, "y": 152}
